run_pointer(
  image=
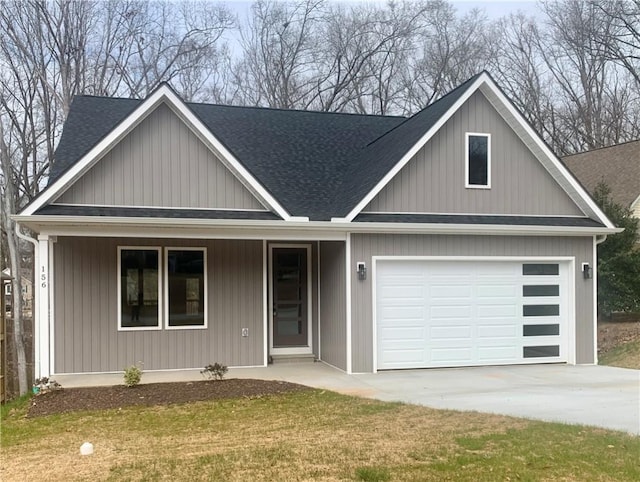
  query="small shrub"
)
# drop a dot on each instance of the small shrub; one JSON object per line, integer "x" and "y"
{"x": 132, "y": 376}
{"x": 215, "y": 371}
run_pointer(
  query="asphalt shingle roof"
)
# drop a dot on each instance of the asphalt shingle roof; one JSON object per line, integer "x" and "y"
{"x": 122, "y": 212}
{"x": 316, "y": 164}
{"x": 478, "y": 219}
{"x": 301, "y": 157}
{"x": 617, "y": 166}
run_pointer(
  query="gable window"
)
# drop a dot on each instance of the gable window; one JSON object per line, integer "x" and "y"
{"x": 139, "y": 288}
{"x": 478, "y": 160}
{"x": 186, "y": 305}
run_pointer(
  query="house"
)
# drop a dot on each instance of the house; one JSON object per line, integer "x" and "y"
{"x": 26, "y": 288}
{"x": 617, "y": 166}
{"x": 180, "y": 234}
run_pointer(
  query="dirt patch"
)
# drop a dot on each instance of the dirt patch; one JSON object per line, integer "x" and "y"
{"x": 119, "y": 396}
{"x": 618, "y": 331}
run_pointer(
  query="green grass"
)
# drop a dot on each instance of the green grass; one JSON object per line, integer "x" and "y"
{"x": 311, "y": 435}
{"x": 626, "y": 355}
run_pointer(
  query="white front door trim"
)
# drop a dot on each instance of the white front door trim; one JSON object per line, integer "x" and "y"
{"x": 301, "y": 350}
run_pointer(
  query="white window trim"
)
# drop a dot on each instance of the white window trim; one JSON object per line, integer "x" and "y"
{"x": 166, "y": 288}
{"x": 119, "y": 297}
{"x": 466, "y": 160}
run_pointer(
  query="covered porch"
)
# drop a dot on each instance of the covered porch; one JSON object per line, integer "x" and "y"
{"x": 179, "y": 298}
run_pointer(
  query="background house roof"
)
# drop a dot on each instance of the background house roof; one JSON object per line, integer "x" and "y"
{"x": 617, "y": 166}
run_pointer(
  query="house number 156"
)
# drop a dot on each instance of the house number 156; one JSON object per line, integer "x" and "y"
{"x": 43, "y": 278}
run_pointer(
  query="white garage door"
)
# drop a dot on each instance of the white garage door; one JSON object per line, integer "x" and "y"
{"x": 469, "y": 313}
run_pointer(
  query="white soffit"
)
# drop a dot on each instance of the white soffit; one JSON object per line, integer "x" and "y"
{"x": 163, "y": 94}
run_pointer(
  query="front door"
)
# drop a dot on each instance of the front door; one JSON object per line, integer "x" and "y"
{"x": 290, "y": 299}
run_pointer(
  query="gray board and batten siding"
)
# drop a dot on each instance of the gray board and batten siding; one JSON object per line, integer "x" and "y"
{"x": 86, "y": 320}
{"x": 333, "y": 302}
{"x": 433, "y": 181}
{"x": 365, "y": 246}
{"x": 161, "y": 163}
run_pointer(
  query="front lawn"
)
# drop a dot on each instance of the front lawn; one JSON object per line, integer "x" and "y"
{"x": 307, "y": 435}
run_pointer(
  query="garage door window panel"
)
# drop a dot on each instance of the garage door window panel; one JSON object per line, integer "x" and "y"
{"x": 548, "y": 329}
{"x": 540, "y": 269}
{"x": 541, "y": 310}
{"x": 541, "y": 351}
{"x": 540, "y": 290}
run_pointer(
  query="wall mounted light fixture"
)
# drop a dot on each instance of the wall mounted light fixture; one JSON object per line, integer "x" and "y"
{"x": 361, "y": 268}
{"x": 587, "y": 271}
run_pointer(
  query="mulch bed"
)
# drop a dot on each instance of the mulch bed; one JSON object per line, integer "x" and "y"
{"x": 118, "y": 396}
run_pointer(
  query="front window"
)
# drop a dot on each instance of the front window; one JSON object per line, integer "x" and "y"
{"x": 152, "y": 289}
{"x": 478, "y": 160}
{"x": 139, "y": 288}
{"x": 186, "y": 294}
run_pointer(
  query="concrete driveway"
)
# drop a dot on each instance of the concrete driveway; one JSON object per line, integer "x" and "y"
{"x": 588, "y": 395}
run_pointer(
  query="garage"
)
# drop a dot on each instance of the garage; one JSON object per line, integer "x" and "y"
{"x": 451, "y": 312}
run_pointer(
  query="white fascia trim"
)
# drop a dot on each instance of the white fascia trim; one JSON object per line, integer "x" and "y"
{"x": 177, "y": 105}
{"x": 416, "y": 147}
{"x": 496, "y": 95}
{"x": 169, "y": 227}
{"x": 573, "y": 216}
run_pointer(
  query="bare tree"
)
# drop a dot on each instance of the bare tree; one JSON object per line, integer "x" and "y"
{"x": 277, "y": 67}
{"x": 364, "y": 51}
{"x": 450, "y": 50}
{"x": 582, "y": 74}
{"x": 622, "y": 44}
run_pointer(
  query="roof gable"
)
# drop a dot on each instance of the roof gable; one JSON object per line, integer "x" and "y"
{"x": 425, "y": 125}
{"x": 160, "y": 163}
{"x": 433, "y": 181}
{"x": 68, "y": 174}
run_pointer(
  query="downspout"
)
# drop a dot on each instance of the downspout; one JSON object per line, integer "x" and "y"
{"x": 35, "y": 315}
{"x": 599, "y": 239}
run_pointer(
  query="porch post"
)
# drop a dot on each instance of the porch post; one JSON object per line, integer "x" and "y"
{"x": 41, "y": 319}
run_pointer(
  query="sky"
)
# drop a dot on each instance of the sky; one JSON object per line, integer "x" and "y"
{"x": 493, "y": 8}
